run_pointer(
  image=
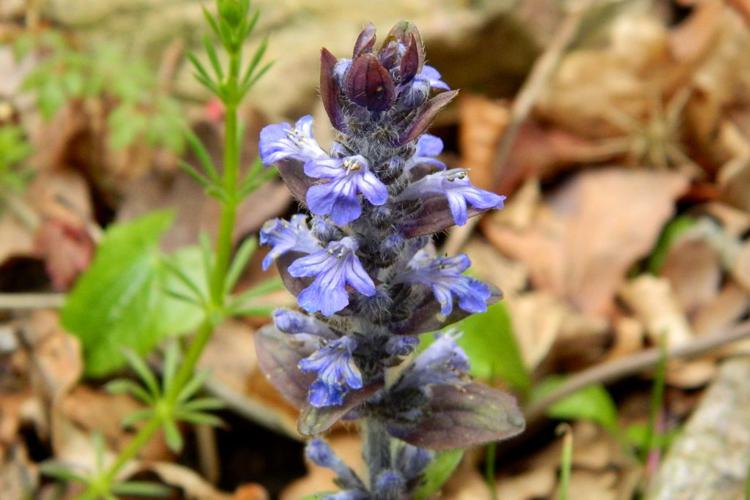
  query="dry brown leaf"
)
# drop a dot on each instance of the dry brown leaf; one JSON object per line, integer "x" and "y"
{"x": 194, "y": 211}
{"x": 99, "y": 412}
{"x": 596, "y": 453}
{"x": 589, "y": 233}
{"x": 629, "y": 334}
{"x": 230, "y": 354}
{"x": 347, "y": 447}
{"x": 693, "y": 268}
{"x": 588, "y": 485}
{"x": 16, "y": 239}
{"x": 723, "y": 311}
{"x": 520, "y": 209}
{"x": 57, "y": 354}
{"x": 691, "y": 40}
{"x": 483, "y": 122}
{"x": 508, "y": 275}
{"x": 591, "y": 82}
{"x": 654, "y": 303}
{"x": 538, "y": 482}
{"x": 537, "y": 319}
{"x": 192, "y": 485}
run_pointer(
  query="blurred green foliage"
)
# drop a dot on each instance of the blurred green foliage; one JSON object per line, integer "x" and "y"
{"x": 14, "y": 149}
{"x": 142, "y": 110}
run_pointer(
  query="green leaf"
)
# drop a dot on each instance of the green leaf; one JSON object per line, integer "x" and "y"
{"x": 591, "y": 403}
{"x": 141, "y": 488}
{"x": 438, "y": 472}
{"x": 172, "y": 435}
{"x": 61, "y": 471}
{"x": 116, "y": 303}
{"x": 668, "y": 236}
{"x": 490, "y": 343}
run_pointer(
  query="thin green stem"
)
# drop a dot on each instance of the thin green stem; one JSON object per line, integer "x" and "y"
{"x": 229, "y": 181}
{"x": 489, "y": 469}
{"x": 187, "y": 367}
{"x": 656, "y": 406}
{"x": 102, "y": 484}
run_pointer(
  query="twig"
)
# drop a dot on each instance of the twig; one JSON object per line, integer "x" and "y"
{"x": 25, "y": 301}
{"x": 208, "y": 452}
{"x": 631, "y": 365}
{"x": 540, "y": 74}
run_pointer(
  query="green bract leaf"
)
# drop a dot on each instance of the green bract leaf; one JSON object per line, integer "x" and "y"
{"x": 591, "y": 403}
{"x": 438, "y": 472}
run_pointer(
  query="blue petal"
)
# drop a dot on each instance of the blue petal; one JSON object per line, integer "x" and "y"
{"x": 429, "y": 145}
{"x": 458, "y": 208}
{"x": 322, "y": 395}
{"x": 372, "y": 188}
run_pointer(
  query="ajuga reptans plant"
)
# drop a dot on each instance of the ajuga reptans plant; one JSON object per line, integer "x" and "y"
{"x": 366, "y": 276}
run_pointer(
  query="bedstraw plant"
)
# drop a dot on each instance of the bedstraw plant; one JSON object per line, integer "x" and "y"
{"x": 367, "y": 277}
{"x": 175, "y": 396}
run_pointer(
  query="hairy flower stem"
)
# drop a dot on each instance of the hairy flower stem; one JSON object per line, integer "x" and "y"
{"x": 376, "y": 447}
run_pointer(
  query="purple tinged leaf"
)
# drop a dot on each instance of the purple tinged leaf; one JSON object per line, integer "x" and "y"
{"x": 461, "y": 417}
{"x": 434, "y": 216}
{"x": 293, "y": 174}
{"x": 425, "y": 116}
{"x": 278, "y": 356}
{"x": 314, "y": 421}
{"x": 293, "y": 284}
{"x": 365, "y": 41}
{"x": 369, "y": 84}
{"x": 426, "y": 316}
{"x": 329, "y": 90}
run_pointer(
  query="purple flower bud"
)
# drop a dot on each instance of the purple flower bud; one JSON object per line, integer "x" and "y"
{"x": 425, "y": 116}
{"x": 336, "y": 371}
{"x": 321, "y": 454}
{"x": 455, "y": 186}
{"x": 412, "y": 461}
{"x": 280, "y": 142}
{"x": 293, "y": 322}
{"x": 333, "y": 268}
{"x": 413, "y": 94}
{"x": 389, "y": 485}
{"x": 369, "y": 84}
{"x": 443, "y": 362}
{"x": 365, "y": 41}
{"x": 287, "y": 236}
{"x": 444, "y": 276}
{"x": 401, "y": 346}
{"x": 324, "y": 230}
{"x": 424, "y": 160}
{"x": 330, "y": 90}
{"x": 348, "y": 177}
